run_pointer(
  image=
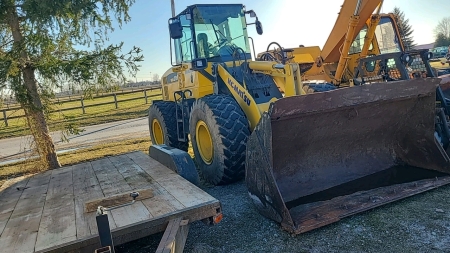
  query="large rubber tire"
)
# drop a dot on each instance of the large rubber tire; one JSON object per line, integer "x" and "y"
{"x": 229, "y": 131}
{"x": 164, "y": 113}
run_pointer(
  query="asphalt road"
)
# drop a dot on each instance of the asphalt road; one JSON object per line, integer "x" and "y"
{"x": 12, "y": 148}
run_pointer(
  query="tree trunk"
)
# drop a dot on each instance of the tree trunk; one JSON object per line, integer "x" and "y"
{"x": 32, "y": 104}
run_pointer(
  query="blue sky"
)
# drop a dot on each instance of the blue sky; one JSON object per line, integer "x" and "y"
{"x": 288, "y": 22}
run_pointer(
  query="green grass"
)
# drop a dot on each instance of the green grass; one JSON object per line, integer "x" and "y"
{"x": 438, "y": 65}
{"x": 30, "y": 166}
{"x": 93, "y": 116}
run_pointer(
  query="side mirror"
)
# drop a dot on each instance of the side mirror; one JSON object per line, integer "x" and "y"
{"x": 175, "y": 29}
{"x": 199, "y": 64}
{"x": 259, "y": 28}
{"x": 251, "y": 12}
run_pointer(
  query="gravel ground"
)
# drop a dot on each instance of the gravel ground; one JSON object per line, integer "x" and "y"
{"x": 417, "y": 224}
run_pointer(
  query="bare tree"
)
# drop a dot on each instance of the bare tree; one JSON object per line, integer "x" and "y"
{"x": 441, "y": 40}
{"x": 155, "y": 77}
{"x": 443, "y": 27}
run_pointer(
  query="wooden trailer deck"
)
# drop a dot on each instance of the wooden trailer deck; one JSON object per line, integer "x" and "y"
{"x": 45, "y": 212}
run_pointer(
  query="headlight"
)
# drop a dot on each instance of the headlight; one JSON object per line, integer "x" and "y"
{"x": 406, "y": 58}
{"x": 429, "y": 55}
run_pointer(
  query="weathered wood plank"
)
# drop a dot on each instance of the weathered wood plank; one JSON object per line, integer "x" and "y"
{"x": 109, "y": 181}
{"x": 112, "y": 182}
{"x": 174, "y": 238}
{"x": 92, "y": 180}
{"x": 20, "y": 233}
{"x": 21, "y": 230}
{"x": 135, "y": 179}
{"x": 40, "y": 179}
{"x": 116, "y": 200}
{"x": 131, "y": 172}
{"x": 185, "y": 192}
{"x": 9, "y": 196}
{"x": 33, "y": 196}
{"x": 168, "y": 236}
{"x": 58, "y": 218}
{"x": 15, "y": 182}
{"x": 162, "y": 203}
{"x": 155, "y": 169}
{"x": 131, "y": 214}
{"x": 141, "y": 229}
{"x": 85, "y": 187}
{"x": 4, "y": 217}
{"x": 31, "y": 201}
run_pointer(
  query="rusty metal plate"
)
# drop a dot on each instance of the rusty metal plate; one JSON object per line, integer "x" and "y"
{"x": 326, "y": 139}
{"x": 317, "y": 158}
{"x": 318, "y": 214}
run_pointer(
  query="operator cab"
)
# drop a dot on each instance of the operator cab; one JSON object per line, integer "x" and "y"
{"x": 390, "y": 61}
{"x": 386, "y": 35}
{"x": 211, "y": 33}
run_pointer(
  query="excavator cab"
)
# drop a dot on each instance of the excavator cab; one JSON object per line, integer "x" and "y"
{"x": 393, "y": 67}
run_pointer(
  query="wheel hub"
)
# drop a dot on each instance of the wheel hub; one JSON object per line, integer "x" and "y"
{"x": 204, "y": 142}
{"x": 157, "y": 132}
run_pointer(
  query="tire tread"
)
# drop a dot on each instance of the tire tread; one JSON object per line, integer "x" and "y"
{"x": 167, "y": 111}
{"x": 234, "y": 131}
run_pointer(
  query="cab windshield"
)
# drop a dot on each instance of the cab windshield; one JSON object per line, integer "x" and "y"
{"x": 219, "y": 31}
{"x": 386, "y": 37}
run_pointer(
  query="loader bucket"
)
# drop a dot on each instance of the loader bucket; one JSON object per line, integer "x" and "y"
{"x": 317, "y": 158}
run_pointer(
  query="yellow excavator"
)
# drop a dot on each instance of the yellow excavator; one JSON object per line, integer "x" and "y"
{"x": 360, "y": 31}
{"x": 308, "y": 159}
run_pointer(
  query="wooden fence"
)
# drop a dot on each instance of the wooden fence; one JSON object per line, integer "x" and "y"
{"x": 83, "y": 107}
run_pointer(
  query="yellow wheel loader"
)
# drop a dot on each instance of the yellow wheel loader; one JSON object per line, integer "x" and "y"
{"x": 308, "y": 159}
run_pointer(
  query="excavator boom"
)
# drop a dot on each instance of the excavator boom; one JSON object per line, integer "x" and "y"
{"x": 331, "y": 50}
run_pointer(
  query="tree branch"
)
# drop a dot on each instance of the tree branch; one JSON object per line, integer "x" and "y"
{"x": 6, "y": 43}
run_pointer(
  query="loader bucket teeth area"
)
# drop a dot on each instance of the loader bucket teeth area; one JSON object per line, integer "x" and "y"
{"x": 316, "y": 158}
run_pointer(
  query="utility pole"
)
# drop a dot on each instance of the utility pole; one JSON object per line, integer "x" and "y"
{"x": 172, "y": 3}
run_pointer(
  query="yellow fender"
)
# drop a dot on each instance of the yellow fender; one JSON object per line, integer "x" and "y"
{"x": 241, "y": 95}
